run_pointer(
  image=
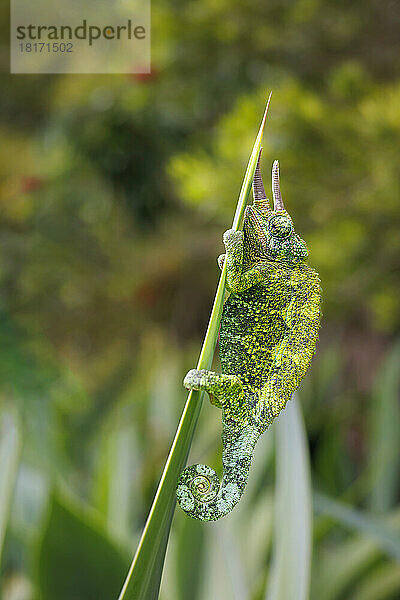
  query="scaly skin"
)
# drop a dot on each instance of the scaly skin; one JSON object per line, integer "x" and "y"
{"x": 268, "y": 335}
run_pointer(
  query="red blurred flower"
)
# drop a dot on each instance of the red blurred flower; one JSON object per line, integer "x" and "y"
{"x": 30, "y": 183}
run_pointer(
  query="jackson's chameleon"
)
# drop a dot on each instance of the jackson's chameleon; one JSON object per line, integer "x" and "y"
{"x": 268, "y": 335}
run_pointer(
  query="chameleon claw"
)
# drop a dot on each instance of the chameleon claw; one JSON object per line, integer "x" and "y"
{"x": 231, "y": 235}
{"x": 221, "y": 261}
{"x": 192, "y": 380}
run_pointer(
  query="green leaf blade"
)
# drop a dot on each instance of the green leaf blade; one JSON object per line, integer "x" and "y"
{"x": 190, "y": 559}
{"x": 352, "y": 518}
{"x": 76, "y": 558}
{"x": 10, "y": 448}
{"x": 384, "y": 448}
{"x": 290, "y": 576}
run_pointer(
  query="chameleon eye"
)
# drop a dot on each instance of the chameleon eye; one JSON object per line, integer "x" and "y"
{"x": 280, "y": 226}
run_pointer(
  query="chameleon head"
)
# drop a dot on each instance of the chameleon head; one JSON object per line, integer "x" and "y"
{"x": 269, "y": 233}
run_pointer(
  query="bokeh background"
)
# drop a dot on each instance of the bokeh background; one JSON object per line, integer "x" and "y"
{"x": 115, "y": 191}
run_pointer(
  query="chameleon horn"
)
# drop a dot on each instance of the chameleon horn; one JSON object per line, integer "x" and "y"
{"x": 259, "y": 195}
{"x": 276, "y": 188}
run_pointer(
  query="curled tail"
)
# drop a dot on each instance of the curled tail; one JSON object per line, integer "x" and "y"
{"x": 199, "y": 491}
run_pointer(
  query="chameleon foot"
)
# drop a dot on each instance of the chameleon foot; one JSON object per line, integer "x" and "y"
{"x": 225, "y": 391}
{"x": 195, "y": 379}
{"x": 201, "y": 379}
{"x": 214, "y": 383}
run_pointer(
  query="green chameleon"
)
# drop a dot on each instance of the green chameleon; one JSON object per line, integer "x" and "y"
{"x": 268, "y": 335}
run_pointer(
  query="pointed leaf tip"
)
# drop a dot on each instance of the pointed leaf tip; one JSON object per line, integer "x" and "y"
{"x": 265, "y": 115}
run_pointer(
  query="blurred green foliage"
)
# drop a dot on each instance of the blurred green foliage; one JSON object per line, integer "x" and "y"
{"x": 114, "y": 193}
{"x": 70, "y": 538}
